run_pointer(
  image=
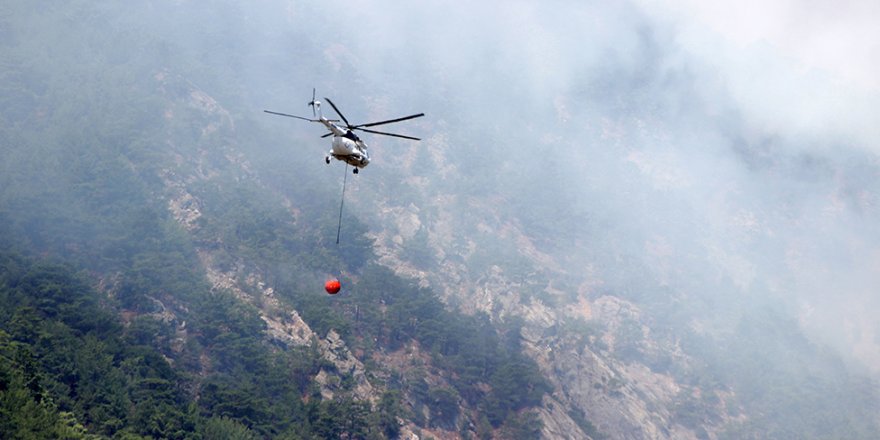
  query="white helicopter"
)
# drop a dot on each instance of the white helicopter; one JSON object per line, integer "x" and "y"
{"x": 347, "y": 146}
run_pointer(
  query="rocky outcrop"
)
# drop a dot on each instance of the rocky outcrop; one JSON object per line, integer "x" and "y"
{"x": 333, "y": 349}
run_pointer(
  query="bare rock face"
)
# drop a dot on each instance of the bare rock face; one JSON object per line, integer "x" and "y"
{"x": 333, "y": 349}
{"x": 183, "y": 206}
{"x": 290, "y": 330}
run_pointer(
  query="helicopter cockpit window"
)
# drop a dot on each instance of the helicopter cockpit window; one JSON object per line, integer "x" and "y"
{"x": 350, "y": 134}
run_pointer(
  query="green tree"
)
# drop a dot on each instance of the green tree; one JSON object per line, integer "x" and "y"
{"x": 444, "y": 404}
{"x": 522, "y": 426}
{"x": 224, "y": 428}
{"x": 388, "y": 412}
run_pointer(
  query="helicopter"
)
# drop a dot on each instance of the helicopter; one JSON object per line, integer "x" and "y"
{"x": 346, "y": 145}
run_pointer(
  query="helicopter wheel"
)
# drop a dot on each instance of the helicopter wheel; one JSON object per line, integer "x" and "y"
{"x": 355, "y": 171}
{"x": 327, "y": 160}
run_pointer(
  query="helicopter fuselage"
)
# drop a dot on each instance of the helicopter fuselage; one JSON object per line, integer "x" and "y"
{"x": 352, "y": 152}
{"x": 346, "y": 146}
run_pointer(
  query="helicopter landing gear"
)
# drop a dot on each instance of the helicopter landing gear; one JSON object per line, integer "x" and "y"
{"x": 327, "y": 160}
{"x": 355, "y": 170}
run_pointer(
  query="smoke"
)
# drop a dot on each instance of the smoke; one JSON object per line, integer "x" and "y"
{"x": 727, "y": 149}
{"x": 729, "y": 144}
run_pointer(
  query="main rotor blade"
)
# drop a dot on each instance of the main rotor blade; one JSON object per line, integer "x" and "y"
{"x": 373, "y": 124}
{"x": 290, "y": 116}
{"x": 337, "y": 111}
{"x": 387, "y": 134}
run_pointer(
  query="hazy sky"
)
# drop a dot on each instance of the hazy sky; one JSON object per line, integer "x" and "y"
{"x": 840, "y": 37}
{"x": 800, "y": 65}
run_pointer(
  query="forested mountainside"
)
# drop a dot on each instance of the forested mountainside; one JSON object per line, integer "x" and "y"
{"x": 540, "y": 266}
{"x": 131, "y": 319}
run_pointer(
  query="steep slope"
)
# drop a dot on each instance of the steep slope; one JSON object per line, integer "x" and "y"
{"x": 661, "y": 277}
{"x": 211, "y": 265}
{"x": 660, "y": 266}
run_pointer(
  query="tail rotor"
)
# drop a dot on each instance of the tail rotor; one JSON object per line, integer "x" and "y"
{"x": 313, "y": 103}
